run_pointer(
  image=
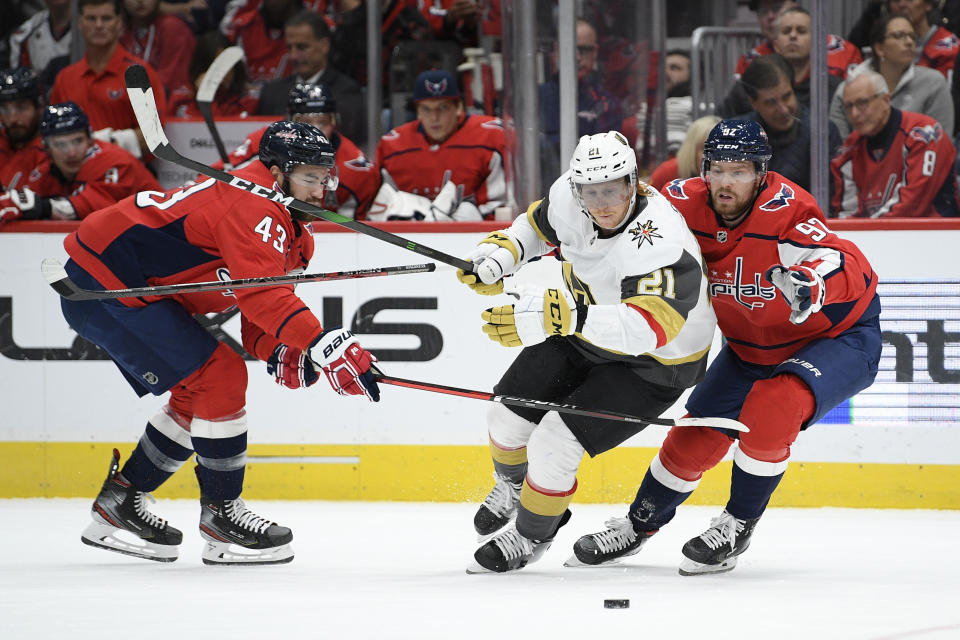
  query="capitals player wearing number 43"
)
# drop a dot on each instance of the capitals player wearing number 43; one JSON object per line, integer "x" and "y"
{"x": 200, "y": 233}
{"x": 799, "y": 309}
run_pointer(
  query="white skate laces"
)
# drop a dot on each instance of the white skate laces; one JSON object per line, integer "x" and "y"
{"x": 150, "y": 518}
{"x": 501, "y": 498}
{"x": 723, "y": 530}
{"x": 513, "y": 545}
{"x": 237, "y": 511}
{"x": 618, "y": 535}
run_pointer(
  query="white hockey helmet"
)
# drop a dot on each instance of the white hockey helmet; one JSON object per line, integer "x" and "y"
{"x": 603, "y": 157}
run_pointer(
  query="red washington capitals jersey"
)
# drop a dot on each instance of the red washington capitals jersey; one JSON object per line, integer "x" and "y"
{"x": 785, "y": 227}
{"x": 209, "y": 231}
{"x": 108, "y": 174}
{"x": 909, "y": 174}
{"x": 473, "y": 153}
{"x": 940, "y": 52}
{"x": 16, "y": 164}
{"x": 359, "y": 180}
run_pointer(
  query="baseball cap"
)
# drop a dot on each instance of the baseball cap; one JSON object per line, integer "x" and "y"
{"x": 435, "y": 83}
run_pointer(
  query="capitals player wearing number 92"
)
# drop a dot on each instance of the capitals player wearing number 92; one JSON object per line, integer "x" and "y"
{"x": 200, "y": 233}
{"x": 799, "y": 310}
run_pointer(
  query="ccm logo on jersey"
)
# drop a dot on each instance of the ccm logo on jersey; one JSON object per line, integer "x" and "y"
{"x": 675, "y": 189}
{"x": 779, "y": 201}
{"x": 732, "y": 287}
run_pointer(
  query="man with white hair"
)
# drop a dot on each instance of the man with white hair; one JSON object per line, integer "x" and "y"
{"x": 895, "y": 163}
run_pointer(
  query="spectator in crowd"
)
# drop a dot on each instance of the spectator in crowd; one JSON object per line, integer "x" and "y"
{"x": 96, "y": 81}
{"x": 234, "y": 97}
{"x": 597, "y": 110}
{"x": 678, "y": 106}
{"x": 769, "y": 85}
{"x": 81, "y": 175}
{"x": 445, "y": 165}
{"x": 676, "y": 68}
{"x": 792, "y": 41}
{"x": 896, "y": 163}
{"x": 842, "y": 55}
{"x": 358, "y": 178}
{"x": 936, "y": 47}
{"x": 20, "y": 107}
{"x": 164, "y": 41}
{"x": 401, "y": 20}
{"x": 456, "y": 20}
{"x": 915, "y": 88}
{"x": 43, "y": 37}
{"x": 686, "y": 164}
{"x": 308, "y": 54}
{"x": 257, "y": 26}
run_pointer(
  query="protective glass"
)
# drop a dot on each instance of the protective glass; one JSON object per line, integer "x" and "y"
{"x": 601, "y": 195}
{"x": 15, "y": 106}
{"x": 67, "y": 142}
{"x": 724, "y": 173}
{"x": 311, "y": 177}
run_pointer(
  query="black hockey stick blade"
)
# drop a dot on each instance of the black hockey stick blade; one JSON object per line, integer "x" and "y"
{"x": 212, "y": 78}
{"x": 144, "y": 107}
{"x": 718, "y": 423}
{"x": 57, "y": 277}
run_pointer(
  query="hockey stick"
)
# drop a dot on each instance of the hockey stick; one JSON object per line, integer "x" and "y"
{"x": 208, "y": 87}
{"x": 57, "y": 277}
{"x": 719, "y": 423}
{"x": 145, "y": 109}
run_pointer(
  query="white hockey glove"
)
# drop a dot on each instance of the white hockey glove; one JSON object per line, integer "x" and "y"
{"x": 537, "y": 315}
{"x": 346, "y": 364}
{"x": 124, "y": 138}
{"x": 26, "y": 204}
{"x": 495, "y": 257}
{"x": 450, "y": 206}
{"x": 802, "y": 287}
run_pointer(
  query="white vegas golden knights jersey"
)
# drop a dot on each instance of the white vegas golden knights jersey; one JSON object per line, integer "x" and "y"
{"x": 645, "y": 288}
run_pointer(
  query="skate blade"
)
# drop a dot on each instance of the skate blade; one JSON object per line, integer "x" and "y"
{"x": 575, "y": 562}
{"x": 691, "y": 568}
{"x": 226, "y": 554}
{"x": 476, "y": 568}
{"x": 102, "y": 536}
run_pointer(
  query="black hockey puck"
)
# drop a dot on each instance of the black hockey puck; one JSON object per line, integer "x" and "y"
{"x": 616, "y": 604}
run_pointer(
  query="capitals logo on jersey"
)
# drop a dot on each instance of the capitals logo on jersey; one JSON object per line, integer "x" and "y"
{"x": 948, "y": 43}
{"x": 731, "y": 285}
{"x": 927, "y": 134}
{"x": 645, "y": 232}
{"x": 675, "y": 189}
{"x": 779, "y": 201}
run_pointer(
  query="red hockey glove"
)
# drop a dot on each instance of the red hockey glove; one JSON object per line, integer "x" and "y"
{"x": 346, "y": 364}
{"x": 291, "y": 367}
{"x": 802, "y": 287}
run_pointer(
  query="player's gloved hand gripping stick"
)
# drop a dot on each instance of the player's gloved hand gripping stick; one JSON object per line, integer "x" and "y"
{"x": 144, "y": 107}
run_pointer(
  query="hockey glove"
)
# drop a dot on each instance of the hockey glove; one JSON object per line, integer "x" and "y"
{"x": 291, "y": 367}
{"x": 496, "y": 256}
{"x": 126, "y": 139}
{"x": 536, "y": 316}
{"x": 345, "y": 363}
{"x": 30, "y": 206}
{"x": 802, "y": 287}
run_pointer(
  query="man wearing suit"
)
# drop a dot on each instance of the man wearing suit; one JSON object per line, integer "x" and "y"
{"x": 308, "y": 47}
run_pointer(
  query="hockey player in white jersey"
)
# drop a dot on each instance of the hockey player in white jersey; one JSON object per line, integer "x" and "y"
{"x": 629, "y": 332}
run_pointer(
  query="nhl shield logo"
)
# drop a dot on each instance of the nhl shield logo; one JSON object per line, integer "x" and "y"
{"x": 722, "y": 236}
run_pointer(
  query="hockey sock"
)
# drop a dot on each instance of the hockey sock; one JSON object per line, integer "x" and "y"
{"x": 542, "y": 511}
{"x": 751, "y": 485}
{"x": 221, "y": 447}
{"x": 656, "y": 502}
{"x": 155, "y": 459}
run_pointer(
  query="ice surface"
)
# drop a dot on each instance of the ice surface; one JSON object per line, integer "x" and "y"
{"x": 396, "y": 570}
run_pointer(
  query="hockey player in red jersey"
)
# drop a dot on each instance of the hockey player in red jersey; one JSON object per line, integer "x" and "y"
{"x": 443, "y": 166}
{"x": 20, "y": 108}
{"x": 204, "y": 232}
{"x": 800, "y": 313}
{"x": 313, "y": 104}
{"x": 80, "y": 174}
{"x": 629, "y": 332}
{"x": 895, "y": 164}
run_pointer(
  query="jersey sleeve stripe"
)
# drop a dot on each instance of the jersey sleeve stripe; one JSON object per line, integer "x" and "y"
{"x": 537, "y": 217}
{"x": 654, "y": 325}
{"x": 288, "y": 319}
{"x": 663, "y": 319}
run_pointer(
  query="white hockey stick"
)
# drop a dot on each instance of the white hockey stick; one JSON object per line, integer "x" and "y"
{"x": 57, "y": 277}
{"x": 208, "y": 88}
{"x": 145, "y": 108}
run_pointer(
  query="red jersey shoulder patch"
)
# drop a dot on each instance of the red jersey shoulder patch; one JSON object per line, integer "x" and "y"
{"x": 781, "y": 200}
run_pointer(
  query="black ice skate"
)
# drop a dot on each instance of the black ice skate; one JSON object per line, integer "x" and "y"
{"x": 122, "y": 523}
{"x": 716, "y": 549}
{"x": 236, "y": 535}
{"x": 617, "y": 541}
{"x": 498, "y": 508}
{"x": 509, "y": 551}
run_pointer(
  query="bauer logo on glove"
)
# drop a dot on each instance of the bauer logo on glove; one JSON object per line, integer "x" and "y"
{"x": 346, "y": 364}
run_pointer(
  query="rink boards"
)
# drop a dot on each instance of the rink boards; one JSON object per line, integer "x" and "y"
{"x": 65, "y": 406}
